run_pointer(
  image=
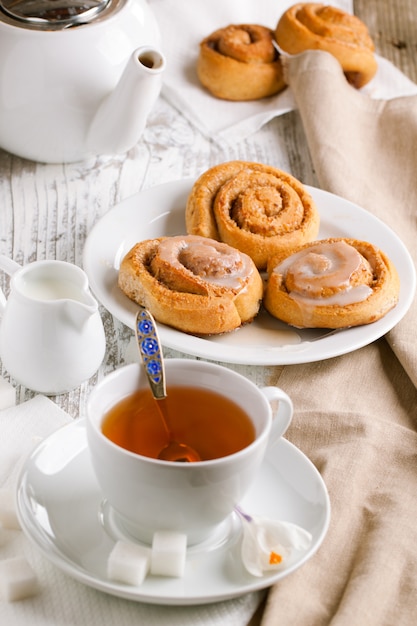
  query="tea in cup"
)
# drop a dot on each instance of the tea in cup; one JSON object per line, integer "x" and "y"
{"x": 204, "y": 421}
{"x": 219, "y": 413}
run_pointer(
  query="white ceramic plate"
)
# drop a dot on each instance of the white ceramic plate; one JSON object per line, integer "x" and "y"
{"x": 58, "y": 482}
{"x": 160, "y": 211}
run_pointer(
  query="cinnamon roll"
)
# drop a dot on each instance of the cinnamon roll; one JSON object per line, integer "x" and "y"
{"x": 240, "y": 62}
{"x": 311, "y": 26}
{"x": 193, "y": 284}
{"x": 331, "y": 283}
{"x": 253, "y": 207}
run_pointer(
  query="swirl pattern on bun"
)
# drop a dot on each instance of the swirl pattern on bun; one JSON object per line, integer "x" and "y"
{"x": 312, "y": 26}
{"x": 240, "y": 62}
{"x": 256, "y": 208}
{"x": 193, "y": 284}
{"x": 331, "y": 283}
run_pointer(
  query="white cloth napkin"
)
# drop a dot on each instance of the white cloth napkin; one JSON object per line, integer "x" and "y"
{"x": 61, "y": 599}
{"x": 184, "y": 24}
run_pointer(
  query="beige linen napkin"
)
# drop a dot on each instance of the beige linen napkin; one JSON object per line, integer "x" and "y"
{"x": 62, "y": 601}
{"x": 365, "y": 151}
{"x": 356, "y": 415}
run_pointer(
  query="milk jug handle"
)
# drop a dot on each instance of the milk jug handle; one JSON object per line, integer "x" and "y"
{"x": 10, "y": 267}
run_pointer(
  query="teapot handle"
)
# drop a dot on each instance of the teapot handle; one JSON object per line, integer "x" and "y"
{"x": 10, "y": 267}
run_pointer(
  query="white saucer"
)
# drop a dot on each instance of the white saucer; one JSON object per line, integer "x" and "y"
{"x": 62, "y": 511}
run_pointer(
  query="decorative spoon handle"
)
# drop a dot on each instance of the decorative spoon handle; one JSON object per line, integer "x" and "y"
{"x": 151, "y": 352}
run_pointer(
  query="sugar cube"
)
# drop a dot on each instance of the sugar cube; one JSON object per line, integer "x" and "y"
{"x": 128, "y": 563}
{"x": 17, "y": 579}
{"x": 169, "y": 550}
{"x": 7, "y": 394}
{"x": 8, "y": 515}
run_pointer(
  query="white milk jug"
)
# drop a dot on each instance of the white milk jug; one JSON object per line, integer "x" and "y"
{"x": 51, "y": 334}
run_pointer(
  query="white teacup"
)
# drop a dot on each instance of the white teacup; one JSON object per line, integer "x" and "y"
{"x": 193, "y": 498}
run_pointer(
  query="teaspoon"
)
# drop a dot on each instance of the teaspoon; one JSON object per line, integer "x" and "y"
{"x": 151, "y": 353}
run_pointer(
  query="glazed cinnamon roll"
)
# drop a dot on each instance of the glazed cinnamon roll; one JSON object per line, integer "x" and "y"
{"x": 311, "y": 26}
{"x": 253, "y": 207}
{"x": 240, "y": 62}
{"x": 331, "y": 283}
{"x": 193, "y": 284}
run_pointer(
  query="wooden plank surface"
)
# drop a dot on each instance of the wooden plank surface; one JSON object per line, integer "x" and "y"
{"x": 393, "y": 27}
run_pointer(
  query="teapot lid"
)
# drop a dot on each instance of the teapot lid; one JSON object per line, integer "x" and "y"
{"x": 53, "y": 14}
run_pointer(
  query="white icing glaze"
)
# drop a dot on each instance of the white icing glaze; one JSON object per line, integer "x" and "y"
{"x": 343, "y": 298}
{"x": 326, "y": 265}
{"x": 212, "y": 261}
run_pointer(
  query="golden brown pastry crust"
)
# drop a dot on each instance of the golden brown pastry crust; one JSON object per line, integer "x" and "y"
{"x": 312, "y": 26}
{"x": 193, "y": 284}
{"x": 253, "y": 207}
{"x": 240, "y": 62}
{"x": 331, "y": 283}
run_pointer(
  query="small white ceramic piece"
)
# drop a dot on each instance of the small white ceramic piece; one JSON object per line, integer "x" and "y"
{"x": 51, "y": 334}
{"x": 169, "y": 550}
{"x": 17, "y": 579}
{"x": 8, "y": 514}
{"x": 7, "y": 394}
{"x": 78, "y": 85}
{"x": 151, "y": 495}
{"x": 128, "y": 563}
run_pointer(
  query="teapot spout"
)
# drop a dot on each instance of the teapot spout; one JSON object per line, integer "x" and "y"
{"x": 121, "y": 117}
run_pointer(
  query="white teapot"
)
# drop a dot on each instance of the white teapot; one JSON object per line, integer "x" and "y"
{"x": 51, "y": 333}
{"x": 78, "y": 78}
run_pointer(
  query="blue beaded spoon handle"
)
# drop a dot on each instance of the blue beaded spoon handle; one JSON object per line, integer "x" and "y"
{"x": 151, "y": 352}
{"x": 153, "y": 362}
